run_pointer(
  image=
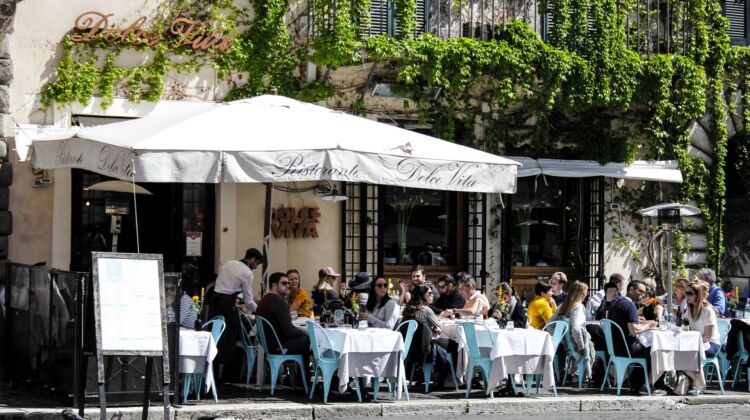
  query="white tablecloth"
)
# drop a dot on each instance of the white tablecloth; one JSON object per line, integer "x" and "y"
{"x": 366, "y": 353}
{"x": 454, "y": 331}
{"x": 676, "y": 350}
{"x": 522, "y": 351}
{"x": 197, "y": 351}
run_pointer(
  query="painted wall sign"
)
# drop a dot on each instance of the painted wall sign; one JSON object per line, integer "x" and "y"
{"x": 197, "y": 34}
{"x": 288, "y": 222}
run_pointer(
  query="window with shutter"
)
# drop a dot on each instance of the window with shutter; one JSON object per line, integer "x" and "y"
{"x": 382, "y": 18}
{"x": 737, "y": 11}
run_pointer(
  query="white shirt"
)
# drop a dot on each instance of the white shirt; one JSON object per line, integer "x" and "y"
{"x": 707, "y": 317}
{"x": 236, "y": 276}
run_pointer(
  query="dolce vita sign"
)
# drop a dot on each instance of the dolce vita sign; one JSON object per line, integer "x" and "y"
{"x": 197, "y": 34}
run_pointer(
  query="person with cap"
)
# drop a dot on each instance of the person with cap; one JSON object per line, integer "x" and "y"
{"x": 323, "y": 294}
{"x": 382, "y": 311}
{"x": 235, "y": 277}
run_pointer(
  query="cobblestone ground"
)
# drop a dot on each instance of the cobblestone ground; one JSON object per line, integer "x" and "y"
{"x": 732, "y": 412}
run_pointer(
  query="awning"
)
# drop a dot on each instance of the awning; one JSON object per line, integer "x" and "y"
{"x": 662, "y": 170}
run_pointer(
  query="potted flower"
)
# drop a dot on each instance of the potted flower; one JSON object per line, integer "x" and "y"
{"x": 732, "y": 301}
{"x": 198, "y": 307}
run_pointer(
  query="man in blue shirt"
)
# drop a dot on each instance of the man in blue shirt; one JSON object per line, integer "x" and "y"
{"x": 624, "y": 312}
{"x": 716, "y": 295}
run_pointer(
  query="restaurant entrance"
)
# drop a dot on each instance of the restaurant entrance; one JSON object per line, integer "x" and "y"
{"x": 173, "y": 216}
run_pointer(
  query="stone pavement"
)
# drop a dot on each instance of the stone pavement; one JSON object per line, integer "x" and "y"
{"x": 245, "y": 402}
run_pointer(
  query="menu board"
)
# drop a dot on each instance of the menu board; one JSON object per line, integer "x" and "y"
{"x": 129, "y": 303}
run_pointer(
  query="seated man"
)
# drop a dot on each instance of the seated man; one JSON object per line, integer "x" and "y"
{"x": 450, "y": 297}
{"x": 273, "y": 308}
{"x": 623, "y": 312}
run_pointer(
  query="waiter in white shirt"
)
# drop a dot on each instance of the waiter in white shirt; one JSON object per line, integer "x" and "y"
{"x": 235, "y": 277}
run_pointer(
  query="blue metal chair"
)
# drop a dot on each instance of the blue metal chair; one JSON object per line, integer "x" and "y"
{"x": 245, "y": 342}
{"x": 411, "y": 327}
{"x": 558, "y": 330}
{"x": 724, "y": 327}
{"x": 573, "y": 358}
{"x": 621, "y": 363}
{"x": 327, "y": 360}
{"x": 478, "y": 357}
{"x": 276, "y": 361}
{"x": 217, "y": 325}
{"x": 739, "y": 359}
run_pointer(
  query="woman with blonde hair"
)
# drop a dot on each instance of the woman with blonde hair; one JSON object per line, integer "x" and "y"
{"x": 701, "y": 316}
{"x": 573, "y": 311}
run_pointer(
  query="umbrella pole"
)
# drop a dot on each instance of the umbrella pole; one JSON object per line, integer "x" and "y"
{"x": 266, "y": 237}
{"x": 135, "y": 210}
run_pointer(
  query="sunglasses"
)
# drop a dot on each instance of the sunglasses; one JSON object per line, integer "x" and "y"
{"x": 284, "y": 283}
{"x": 690, "y": 293}
{"x": 383, "y": 285}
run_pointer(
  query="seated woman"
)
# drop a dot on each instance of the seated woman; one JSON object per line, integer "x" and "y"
{"x": 382, "y": 311}
{"x": 508, "y": 308}
{"x": 542, "y": 307}
{"x": 574, "y": 312}
{"x": 476, "y": 302}
{"x": 650, "y": 308}
{"x": 701, "y": 316}
{"x": 424, "y": 347}
{"x": 298, "y": 299}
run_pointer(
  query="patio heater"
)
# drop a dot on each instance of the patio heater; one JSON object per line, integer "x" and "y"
{"x": 668, "y": 217}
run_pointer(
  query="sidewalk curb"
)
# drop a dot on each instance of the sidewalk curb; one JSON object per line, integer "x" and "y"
{"x": 441, "y": 407}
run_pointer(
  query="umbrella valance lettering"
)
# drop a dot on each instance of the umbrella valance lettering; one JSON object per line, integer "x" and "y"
{"x": 288, "y": 222}
{"x": 294, "y": 164}
{"x": 112, "y": 161}
{"x": 455, "y": 173}
{"x": 197, "y": 34}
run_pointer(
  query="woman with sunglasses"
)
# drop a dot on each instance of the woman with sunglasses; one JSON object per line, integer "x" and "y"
{"x": 701, "y": 316}
{"x": 425, "y": 346}
{"x": 382, "y": 311}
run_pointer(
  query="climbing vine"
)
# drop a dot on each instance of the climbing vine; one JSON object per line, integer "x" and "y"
{"x": 583, "y": 93}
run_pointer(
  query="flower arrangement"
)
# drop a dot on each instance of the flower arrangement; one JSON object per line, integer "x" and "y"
{"x": 503, "y": 306}
{"x": 733, "y": 299}
{"x": 651, "y": 301}
{"x": 198, "y": 301}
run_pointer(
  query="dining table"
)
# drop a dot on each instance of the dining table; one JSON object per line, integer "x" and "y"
{"x": 196, "y": 354}
{"x": 675, "y": 349}
{"x": 366, "y": 353}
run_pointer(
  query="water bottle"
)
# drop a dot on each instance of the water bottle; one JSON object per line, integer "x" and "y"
{"x": 746, "y": 315}
{"x": 678, "y": 318}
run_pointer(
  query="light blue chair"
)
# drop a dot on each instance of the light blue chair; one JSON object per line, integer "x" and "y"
{"x": 713, "y": 362}
{"x": 479, "y": 357}
{"x": 411, "y": 327}
{"x": 217, "y": 325}
{"x": 427, "y": 371}
{"x": 247, "y": 325}
{"x": 573, "y": 358}
{"x": 739, "y": 359}
{"x": 558, "y": 330}
{"x": 327, "y": 360}
{"x": 621, "y": 363}
{"x": 276, "y": 361}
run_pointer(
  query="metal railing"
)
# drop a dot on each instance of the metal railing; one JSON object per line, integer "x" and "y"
{"x": 649, "y": 26}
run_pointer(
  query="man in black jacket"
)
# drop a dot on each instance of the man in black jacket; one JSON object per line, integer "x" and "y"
{"x": 273, "y": 307}
{"x": 450, "y": 297}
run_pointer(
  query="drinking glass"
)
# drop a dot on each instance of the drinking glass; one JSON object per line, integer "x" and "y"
{"x": 509, "y": 326}
{"x": 294, "y": 315}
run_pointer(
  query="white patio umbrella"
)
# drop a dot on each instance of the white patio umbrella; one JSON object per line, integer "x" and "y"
{"x": 272, "y": 139}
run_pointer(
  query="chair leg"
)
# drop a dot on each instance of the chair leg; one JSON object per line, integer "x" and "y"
{"x": 645, "y": 374}
{"x": 469, "y": 377}
{"x": 427, "y": 371}
{"x": 620, "y": 375}
{"x": 263, "y": 375}
{"x": 359, "y": 391}
{"x": 250, "y": 365}
{"x": 405, "y": 389}
{"x": 327, "y": 377}
{"x": 302, "y": 374}
{"x": 186, "y": 378}
{"x": 453, "y": 372}
{"x": 718, "y": 373}
{"x": 606, "y": 376}
{"x": 375, "y": 387}
{"x": 315, "y": 382}
{"x": 275, "y": 370}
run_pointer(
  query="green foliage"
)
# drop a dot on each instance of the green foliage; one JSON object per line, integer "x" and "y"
{"x": 581, "y": 94}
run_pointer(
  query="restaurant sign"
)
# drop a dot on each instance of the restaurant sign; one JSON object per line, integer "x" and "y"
{"x": 196, "y": 34}
{"x": 288, "y": 222}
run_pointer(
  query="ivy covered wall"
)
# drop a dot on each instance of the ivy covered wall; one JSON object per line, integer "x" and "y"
{"x": 584, "y": 94}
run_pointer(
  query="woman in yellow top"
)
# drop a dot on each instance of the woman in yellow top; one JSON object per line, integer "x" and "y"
{"x": 542, "y": 307}
{"x": 298, "y": 299}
